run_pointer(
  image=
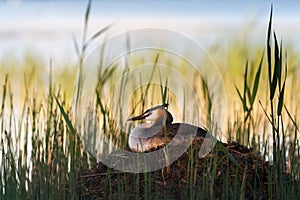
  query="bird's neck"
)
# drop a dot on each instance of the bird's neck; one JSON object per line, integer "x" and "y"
{"x": 162, "y": 122}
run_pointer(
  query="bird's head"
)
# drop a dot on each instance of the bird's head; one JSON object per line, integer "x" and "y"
{"x": 156, "y": 115}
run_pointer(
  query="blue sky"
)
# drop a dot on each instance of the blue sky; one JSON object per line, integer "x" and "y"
{"x": 49, "y": 25}
{"x": 144, "y": 7}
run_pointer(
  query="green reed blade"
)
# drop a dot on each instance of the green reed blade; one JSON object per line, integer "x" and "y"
{"x": 97, "y": 34}
{"x": 277, "y": 67}
{"x": 86, "y": 20}
{"x": 245, "y": 85}
{"x": 66, "y": 117}
{"x": 241, "y": 98}
{"x": 269, "y": 46}
{"x": 280, "y": 102}
{"x": 256, "y": 81}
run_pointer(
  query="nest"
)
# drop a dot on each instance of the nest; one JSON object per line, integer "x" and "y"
{"x": 236, "y": 172}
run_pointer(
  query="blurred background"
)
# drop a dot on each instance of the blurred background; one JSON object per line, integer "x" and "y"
{"x": 45, "y": 28}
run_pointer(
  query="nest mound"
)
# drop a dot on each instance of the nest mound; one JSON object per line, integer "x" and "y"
{"x": 224, "y": 173}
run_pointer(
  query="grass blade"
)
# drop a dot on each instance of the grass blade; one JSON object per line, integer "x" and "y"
{"x": 87, "y": 13}
{"x": 292, "y": 119}
{"x": 150, "y": 80}
{"x": 241, "y": 98}
{"x": 269, "y": 45}
{"x": 97, "y": 34}
{"x": 226, "y": 152}
{"x": 76, "y": 46}
{"x": 245, "y": 84}
{"x": 281, "y": 94}
{"x": 277, "y": 66}
{"x": 66, "y": 117}
{"x": 280, "y": 102}
{"x": 165, "y": 93}
{"x": 163, "y": 90}
{"x": 266, "y": 114}
{"x": 86, "y": 20}
{"x": 256, "y": 81}
{"x": 280, "y": 64}
{"x": 248, "y": 96}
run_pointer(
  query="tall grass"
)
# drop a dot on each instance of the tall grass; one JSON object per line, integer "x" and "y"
{"x": 43, "y": 149}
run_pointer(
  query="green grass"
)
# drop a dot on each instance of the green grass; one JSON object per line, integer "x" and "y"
{"x": 42, "y": 128}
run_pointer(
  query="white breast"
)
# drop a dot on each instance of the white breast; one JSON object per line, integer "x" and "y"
{"x": 141, "y": 136}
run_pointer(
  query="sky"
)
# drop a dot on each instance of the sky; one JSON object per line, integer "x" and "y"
{"x": 48, "y": 26}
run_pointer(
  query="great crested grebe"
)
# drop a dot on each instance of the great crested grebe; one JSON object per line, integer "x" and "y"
{"x": 160, "y": 130}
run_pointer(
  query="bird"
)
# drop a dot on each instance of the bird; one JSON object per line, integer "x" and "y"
{"x": 160, "y": 130}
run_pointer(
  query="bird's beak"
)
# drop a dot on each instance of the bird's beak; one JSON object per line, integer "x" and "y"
{"x": 140, "y": 117}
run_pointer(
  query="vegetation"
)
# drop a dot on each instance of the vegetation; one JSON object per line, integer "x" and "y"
{"x": 44, "y": 154}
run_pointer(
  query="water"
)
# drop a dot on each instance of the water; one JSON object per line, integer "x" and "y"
{"x": 47, "y": 27}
